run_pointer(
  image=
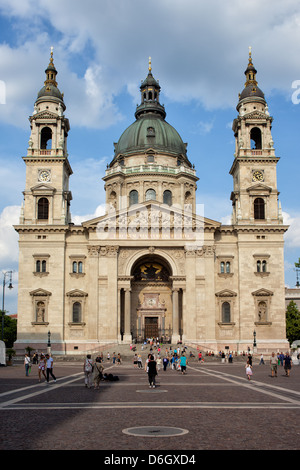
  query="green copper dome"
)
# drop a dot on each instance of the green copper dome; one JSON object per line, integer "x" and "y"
{"x": 150, "y": 130}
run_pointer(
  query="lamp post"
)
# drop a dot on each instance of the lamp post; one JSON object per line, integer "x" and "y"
{"x": 49, "y": 343}
{"x": 254, "y": 341}
{"x": 10, "y": 286}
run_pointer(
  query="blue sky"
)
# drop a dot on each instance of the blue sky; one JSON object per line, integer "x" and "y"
{"x": 199, "y": 54}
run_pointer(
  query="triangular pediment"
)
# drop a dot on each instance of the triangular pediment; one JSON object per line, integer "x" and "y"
{"x": 40, "y": 293}
{"x": 262, "y": 293}
{"x": 152, "y": 213}
{"x": 42, "y": 187}
{"x": 259, "y": 188}
{"x": 76, "y": 293}
{"x": 226, "y": 293}
{"x": 45, "y": 114}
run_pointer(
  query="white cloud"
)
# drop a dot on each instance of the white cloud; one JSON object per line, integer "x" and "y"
{"x": 8, "y": 236}
{"x": 292, "y": 236}
{"x": 199, "y": 51}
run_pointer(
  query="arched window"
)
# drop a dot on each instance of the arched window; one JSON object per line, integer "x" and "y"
{"x": 167, "y": 197}
{"x": 264, "y": 266}
{"x": 46, "y": 138}
{"x": 74, "y": 267}
{"x": 222, "y": 267}
{"x": 258, "y": 266}
{"x": 226, "y": 312}
{"x": 38, "y": 266}
{"x": 80, "y": 267}
{"x": 255, "y": 137}
{"x": 44, "y": 264}
{"x": 150, "y": 195}
{"x": 227, "y": 267}
{"x": 76, "y": 317}
{"x": 259, "y": 208}
{"x": 133, "y": 197}
{"x": 43, "y": 208}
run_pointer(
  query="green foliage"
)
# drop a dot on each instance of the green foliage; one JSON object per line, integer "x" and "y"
{"x": 292, "y": 322}
{"x": 9, "y": 330}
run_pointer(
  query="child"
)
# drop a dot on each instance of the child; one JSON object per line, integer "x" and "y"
{"x": 248, "y": 370}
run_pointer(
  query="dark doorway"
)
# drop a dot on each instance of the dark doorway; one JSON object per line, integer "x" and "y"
{"x": 151, "y": 327}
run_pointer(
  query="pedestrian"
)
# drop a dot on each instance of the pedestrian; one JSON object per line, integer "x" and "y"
{"x": 248, "y": 370}
{"x": 119, "y": 359}
{"x": 152, "y": 371}
{"x": 135, "y": 361}
{"x": 108, "y": 357}
{"x": 262, "y": 362}
{"x": 287, "y": 364}
{"x": 42, "y": 367}
{"x": 49, "y": 365}
{"x": 140, "y": 362}
{"x": 158, "y": 362}
{"x": 98, "y": 373}
{"x": 273, "y": 364}
{"x": 183, "y": 363}
{"x": 114, "y": 357}
{"x": 88, "y": 371}
{"x": 27, "y": 364}
{"x": 165, "y": 363}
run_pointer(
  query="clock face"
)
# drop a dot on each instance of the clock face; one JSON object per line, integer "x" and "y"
{"x": 257, "y": 176}
{"x": 44, "y": 175}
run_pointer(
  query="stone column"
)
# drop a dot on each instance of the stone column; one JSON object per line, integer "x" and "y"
{"x": 175, "y": 317}
{"x": 127, "y": 333}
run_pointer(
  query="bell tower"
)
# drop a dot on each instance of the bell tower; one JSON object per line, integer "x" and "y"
{"x": 255, "y": 195}
{"x": 46, "y": 195}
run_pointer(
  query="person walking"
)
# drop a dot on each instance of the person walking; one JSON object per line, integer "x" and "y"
{"x": 273, "y": 364}
{"x": 262, "y": 362}
{"x": 287, "y": 364}
{"x": 88, "y": 371}
{"x": 98, "y": 373}
{"x": 27, "y": 365}
{"x": 249, "y": 370}
{"x": 49, "y": 365}
{"x": 152, "y": 371}
{"x": 183, "y": 363}
{"x": 42, "y": 367}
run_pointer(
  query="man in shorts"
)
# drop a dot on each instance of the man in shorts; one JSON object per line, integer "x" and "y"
{"x": 183, "y": 363}
{"x": 273, "y": 364}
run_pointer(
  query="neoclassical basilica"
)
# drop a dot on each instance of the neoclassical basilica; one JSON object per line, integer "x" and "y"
{"x": 152, "y": 265}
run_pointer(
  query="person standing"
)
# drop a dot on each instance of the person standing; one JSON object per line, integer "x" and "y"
{"x": 42, "y": 367}
{"x": 98, "y": 373}
{"x": 287, "y": 364}
{"x": 88, "y": 371}
{"x": 249, "y": 370}
{"x": 273, "y": 364}
{"x": 183, "y": 364}
{"x": 49, "y": 364}
{"x": 27, "y": 365}
{"x": 152, "y": 371}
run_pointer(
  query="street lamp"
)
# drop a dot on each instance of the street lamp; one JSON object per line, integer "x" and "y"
{"x": 10, "y": 286}
{"x": 254, "y": 340}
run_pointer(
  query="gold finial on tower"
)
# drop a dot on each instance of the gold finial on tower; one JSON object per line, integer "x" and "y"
{"x": 150, "y": 67}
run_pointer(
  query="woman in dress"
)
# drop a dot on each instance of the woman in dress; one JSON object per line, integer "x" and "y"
{"x": 42, "y": 367}
{"x": 248, "y": 370}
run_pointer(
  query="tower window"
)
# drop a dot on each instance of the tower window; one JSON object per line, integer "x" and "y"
{"x": 255, "y": 137}
{"x": 259, "y": 208}
{"x": 167, "y": 197}
{"x": 133, "y": 197}
{"x": 43, "y": 209}
{"x": 150, "y": 194}
{"x": 46, "y": 138}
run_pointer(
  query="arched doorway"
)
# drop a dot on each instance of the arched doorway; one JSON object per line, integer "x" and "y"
{"x": 151, "y": 299}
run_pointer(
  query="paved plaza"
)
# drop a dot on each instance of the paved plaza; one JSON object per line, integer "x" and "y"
{"x": 212, "y": 407}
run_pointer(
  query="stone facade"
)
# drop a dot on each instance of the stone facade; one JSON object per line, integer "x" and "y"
{"x": 152, "y": 265}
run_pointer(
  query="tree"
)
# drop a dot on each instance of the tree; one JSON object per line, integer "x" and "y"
{"x": 9, "y": 331}
{"x": 292, "y": 322}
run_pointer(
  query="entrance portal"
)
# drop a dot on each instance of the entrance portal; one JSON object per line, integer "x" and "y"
{"x": 151, "y": 327}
